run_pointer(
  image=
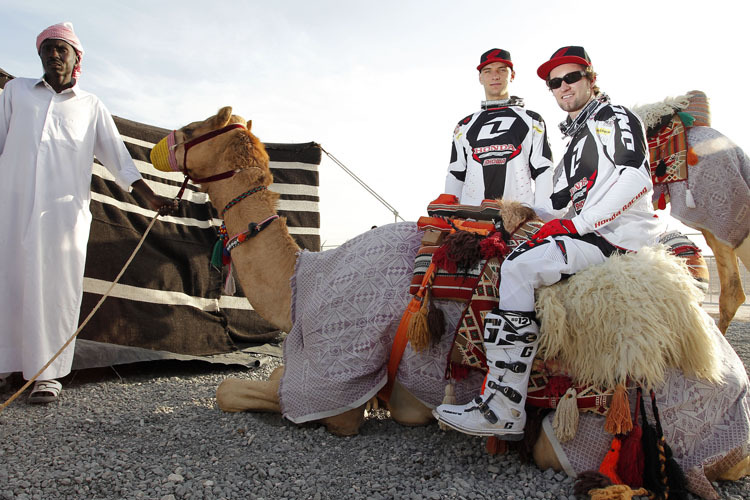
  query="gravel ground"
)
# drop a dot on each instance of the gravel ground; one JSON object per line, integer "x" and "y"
{"x": 153, "y": 431}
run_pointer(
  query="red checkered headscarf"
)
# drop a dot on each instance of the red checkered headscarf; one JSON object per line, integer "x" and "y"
{"x": 63, "y": 31}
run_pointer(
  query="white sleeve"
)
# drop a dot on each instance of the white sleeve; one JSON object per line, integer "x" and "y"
{"x": 542, "y": 196}
{"x": 632, "y": 184}
{"x": 454, "y": 179}
{"x": 540, "y": 164}
{"x": 111, "y": 151}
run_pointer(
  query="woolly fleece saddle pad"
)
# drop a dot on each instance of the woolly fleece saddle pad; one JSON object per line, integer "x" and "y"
{"x": 720, "y": 185}
{"x": 346, "y": 306}
{"x": 703, "y": 423}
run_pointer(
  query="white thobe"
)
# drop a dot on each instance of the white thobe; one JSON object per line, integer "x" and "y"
{"x": 47, "y": 144}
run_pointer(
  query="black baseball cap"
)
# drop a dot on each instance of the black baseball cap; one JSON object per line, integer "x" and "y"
{"x": 495, "y": 55}
{"x": 564, "y": 55}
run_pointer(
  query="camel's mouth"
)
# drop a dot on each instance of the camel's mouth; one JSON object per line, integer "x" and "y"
{"x": 163, "y": 157}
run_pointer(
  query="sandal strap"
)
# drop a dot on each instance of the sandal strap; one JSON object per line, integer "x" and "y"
{"x": 52, "y": 386}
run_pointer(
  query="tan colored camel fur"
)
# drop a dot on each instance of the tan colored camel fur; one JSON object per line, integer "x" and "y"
{"x": 264, "y": 265}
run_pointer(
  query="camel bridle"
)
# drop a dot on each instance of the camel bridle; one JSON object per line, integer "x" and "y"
{"x": 194, "y": 142}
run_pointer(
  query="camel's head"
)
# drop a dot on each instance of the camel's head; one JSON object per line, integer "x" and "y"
{"x": 219, "y": 144}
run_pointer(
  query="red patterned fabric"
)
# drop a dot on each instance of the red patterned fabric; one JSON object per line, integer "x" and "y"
{"x": 668, "y": 151}
{"x": 468, "y": 349}
{"x": 451, "y": 285}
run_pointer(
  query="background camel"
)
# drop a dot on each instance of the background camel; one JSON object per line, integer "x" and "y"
{"x": 343, "y": 305}
{"x": 715, "y": 196}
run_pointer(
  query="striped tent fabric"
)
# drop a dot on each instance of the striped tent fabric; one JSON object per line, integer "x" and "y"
{"x": 171, "y": 298}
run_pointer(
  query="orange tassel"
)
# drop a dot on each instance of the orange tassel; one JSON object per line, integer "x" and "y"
{"x": 692, "y": 157}
{"x": 418, "y": 332}
{"x": 609, "y": 464}
{"x": 618, "y": 417}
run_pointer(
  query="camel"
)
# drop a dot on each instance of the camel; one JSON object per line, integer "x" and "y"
{"x": 718, "y": 182}
{"x": 231, "y": 165}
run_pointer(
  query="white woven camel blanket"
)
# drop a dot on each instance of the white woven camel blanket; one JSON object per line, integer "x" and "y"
{"x": 703, "y": 423}
{"x": 346, "y": 306}
{"x": 720, "y": 185}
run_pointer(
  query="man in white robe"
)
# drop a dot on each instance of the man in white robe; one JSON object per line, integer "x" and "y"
{"x": 50, "y": 130}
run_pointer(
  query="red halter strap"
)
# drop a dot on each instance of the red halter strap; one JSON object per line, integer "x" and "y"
{"x": 202, "y": 138}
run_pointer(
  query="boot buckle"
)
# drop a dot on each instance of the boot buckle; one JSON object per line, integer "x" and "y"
{"x": 487, "y": 412}
{"x": 506, "y": 391}
{"x": 515, "y": 367}
{"x": 526, "y": 338}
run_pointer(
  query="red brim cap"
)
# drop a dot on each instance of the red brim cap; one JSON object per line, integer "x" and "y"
{"x": 490, "y": 61}
{"x": 565, "y": 55}
{"x": 495, "y": 55}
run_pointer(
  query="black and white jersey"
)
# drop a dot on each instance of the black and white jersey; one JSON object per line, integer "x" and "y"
{"x": 605, "y": 175}
{"x": 502, "y": 152}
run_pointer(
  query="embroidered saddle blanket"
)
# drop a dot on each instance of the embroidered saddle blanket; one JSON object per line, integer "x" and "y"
{"x": 667, "y": 123}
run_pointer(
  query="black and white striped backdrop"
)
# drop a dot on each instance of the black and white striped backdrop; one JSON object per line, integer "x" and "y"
{"x": 170, "y": 298}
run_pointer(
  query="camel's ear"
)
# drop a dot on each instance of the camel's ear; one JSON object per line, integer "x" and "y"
{"x": 222, "y": 117}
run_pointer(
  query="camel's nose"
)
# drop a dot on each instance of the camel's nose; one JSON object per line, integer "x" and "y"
{"x": 162, "y": 155}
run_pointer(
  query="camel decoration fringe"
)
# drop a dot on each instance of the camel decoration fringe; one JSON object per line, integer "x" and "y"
{"x": 593, "y": 322}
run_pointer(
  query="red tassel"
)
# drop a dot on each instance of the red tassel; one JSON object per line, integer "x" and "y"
{"x": 443, "y": 261}
{"x": 609, "y": 464}
{"x": 662, "y": 202}
{"x": 630, "y": 465}
{"x": 493, "y": 246}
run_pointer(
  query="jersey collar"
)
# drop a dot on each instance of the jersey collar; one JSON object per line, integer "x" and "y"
{"x": 502, "y": 103}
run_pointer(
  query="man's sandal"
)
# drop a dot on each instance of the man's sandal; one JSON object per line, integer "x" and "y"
{"x": 45, "y": 391}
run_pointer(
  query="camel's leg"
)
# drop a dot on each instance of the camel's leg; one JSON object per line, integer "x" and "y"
{"x": 731, "y": 295}
{"x": 406, "y": 409}
{"x": 235, "y": 394}
{"x": 544, "y": 454}
{"x": 743, "y": 252}
{"x": 277, "y": 373}
{"x": 347, "y": 423}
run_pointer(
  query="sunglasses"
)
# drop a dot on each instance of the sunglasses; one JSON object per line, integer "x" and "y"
{"x": 570, "y": 79}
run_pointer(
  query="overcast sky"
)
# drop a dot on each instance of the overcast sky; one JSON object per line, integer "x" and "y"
{"x": 381, "y": 85}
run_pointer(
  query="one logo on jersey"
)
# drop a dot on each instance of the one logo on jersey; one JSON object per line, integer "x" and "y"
{"x": 493, "y": 161}
{"x": 495, "y": 148}
{"x": 577, "y": 187}
{"x": 577, "y": 154}
{"x": 495, "y": 127}
{"x": 624, "y": 122}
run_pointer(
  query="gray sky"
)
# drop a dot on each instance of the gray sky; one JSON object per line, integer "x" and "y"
{"x": 380, "y": 85}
